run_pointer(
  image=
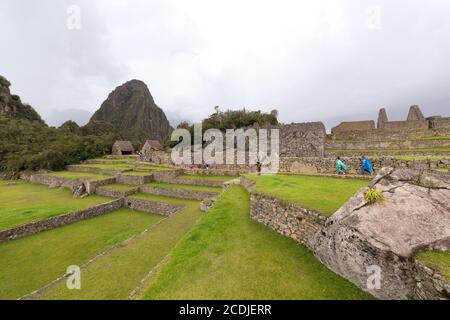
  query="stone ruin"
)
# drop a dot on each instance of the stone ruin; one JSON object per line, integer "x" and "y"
{"x": 415, "y": 124}
{"x": 307, "y": 148}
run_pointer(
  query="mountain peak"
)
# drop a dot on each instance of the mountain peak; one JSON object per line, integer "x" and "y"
{"x": 130, "y": 108}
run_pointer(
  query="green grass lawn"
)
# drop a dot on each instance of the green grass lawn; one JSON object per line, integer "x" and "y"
{"x": 114, "y": 166}
{"x": 22, "y": 202}
{"x": 184, "y": 187}
{"x": 206, "y": 177}
{"x": 229, "y": 256}
{"x": 29, "y": 263}
{"x": 439, "y": 260}
{"x": 80, "y": 175}
{"x": 119, "y": 187}
{"x": 322, "y": 194}
{"x": 117, "y": 274}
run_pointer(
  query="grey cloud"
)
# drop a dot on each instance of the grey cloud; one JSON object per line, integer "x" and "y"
{"x": 310, "y": 60}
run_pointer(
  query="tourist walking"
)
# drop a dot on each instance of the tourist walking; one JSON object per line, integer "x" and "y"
{"x": 366, "y": 166}
{"x": 341, "y": 167}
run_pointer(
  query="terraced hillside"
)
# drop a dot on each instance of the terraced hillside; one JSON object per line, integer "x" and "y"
{"x": 166, "y": 248}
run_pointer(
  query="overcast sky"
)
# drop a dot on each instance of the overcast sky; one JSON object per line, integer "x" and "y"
{"x": 312, "y": 60}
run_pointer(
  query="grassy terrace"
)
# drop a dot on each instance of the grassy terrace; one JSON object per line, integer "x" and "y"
{"x": 117, "y": 274}
{"x": 115, "y": 166}
{"x": 137, "y": 173}
{"x": 321, "y": 194}
{"x": 170, "y": 200}
{"x": 32, "y": 262}
{"x": 119, "y": 187}
{"x": 22, "y": 202}
{"x": 392, "y": 150}
{"x": 205, "y": 177}
{"x": 438, "y": 260}
{"x": 183, "y": 187}
{"x": 229, "y": 256}
{"x": 117, "y": 160}
{"x": 153, "y": 168}
{"x": 80, "y": 175}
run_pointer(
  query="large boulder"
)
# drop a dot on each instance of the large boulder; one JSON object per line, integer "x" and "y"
{"x": 414, "y": 216}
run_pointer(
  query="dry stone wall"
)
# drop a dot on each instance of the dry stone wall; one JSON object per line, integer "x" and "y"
{"x": 287, "y": 219}
{"x": 152, "y": 206}
{"x": 75, "y": 168}
{"x": 326, "y": 165}
{"x": 115, "y": 193}
{"x": 429, "y": 284}
{"x": 302, "y": 139}
{"x": 135, "y": 180}
{"x": 58, "y": 221}
{"x": 177, "y": 193}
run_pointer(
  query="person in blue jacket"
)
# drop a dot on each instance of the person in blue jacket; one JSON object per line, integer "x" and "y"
{"x": 341, "y": 167}
{"x": 366, "y": 166}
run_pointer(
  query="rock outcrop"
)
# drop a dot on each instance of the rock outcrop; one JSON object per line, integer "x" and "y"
{"x": 12, "y": 106}
{"x": 414, "y": 216}
{"x": 130, "y": 108}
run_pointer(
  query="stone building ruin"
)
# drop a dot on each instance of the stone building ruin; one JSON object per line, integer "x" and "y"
{"x": 121, "y": 148}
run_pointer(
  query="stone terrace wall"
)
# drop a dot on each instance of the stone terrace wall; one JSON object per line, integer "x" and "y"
{"x": 213, "y": 171}
{"x": 115, "y": 193}
{"x": 287, "y": 219}
{"x": 440, "y": 122}
{"x": 382, "y": 135}
{"x": 55, "y": 182}
{"x": 326, "y": 165}
{"x": 172, "y": 177}
{"x": 302, "y": 139}
{"x": 58, "y": 221}
{"x": 75, "y": 168}
{"x": 72, "y": 184}
{"x": 177, "y": 193}
{"x": 152, "y": 206}
{"x": 354, "y": 126}
{"x": 430, "y": 284}
{"x": 406, "y": 125}
{"x": 135, "y": 180}
{"x": 382, "y": 145}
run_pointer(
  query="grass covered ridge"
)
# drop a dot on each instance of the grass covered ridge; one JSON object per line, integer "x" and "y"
{"x": 322, "y": 194}
{"x": 23, "y": 202}
{"x": 229, "y": 256}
